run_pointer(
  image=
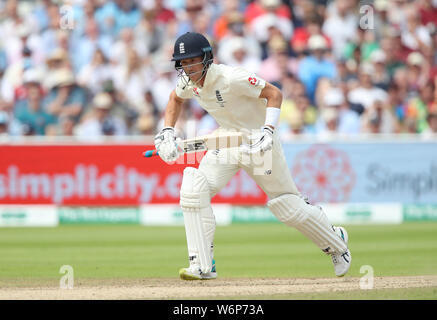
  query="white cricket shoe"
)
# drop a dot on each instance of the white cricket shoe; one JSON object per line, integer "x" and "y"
{"x": 341, "y": 261}
{"x": 193, "y": 273}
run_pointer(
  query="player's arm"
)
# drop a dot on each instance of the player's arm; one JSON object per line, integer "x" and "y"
{"x": 273, "y": 96}
{"x": 173, "y": 109}
{"x": 273, "y": 109}
{"x": 165, "y": 140}
{"x": 274, "y": 100}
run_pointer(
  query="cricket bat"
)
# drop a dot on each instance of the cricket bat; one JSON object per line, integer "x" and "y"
{"x": 207, "y": 142}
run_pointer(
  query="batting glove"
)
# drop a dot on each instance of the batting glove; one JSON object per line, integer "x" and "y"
{"x": 165, "y": 144}
{"x": 263, "y": 141}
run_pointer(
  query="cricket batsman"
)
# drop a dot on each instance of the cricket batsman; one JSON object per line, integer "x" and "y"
{"x": 239, "y": 101}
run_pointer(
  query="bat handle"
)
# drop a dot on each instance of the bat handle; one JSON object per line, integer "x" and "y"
{"x": 150, "y": 153}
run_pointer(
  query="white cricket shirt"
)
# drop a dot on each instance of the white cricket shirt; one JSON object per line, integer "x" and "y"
{"x": 230, "y": 95}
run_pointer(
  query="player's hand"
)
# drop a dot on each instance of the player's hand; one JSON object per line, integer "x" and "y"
{"x": 262, "y": 141}
{"x": 165, "y": 143}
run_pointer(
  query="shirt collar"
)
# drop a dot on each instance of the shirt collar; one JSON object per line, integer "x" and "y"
{"x": 210, "y": 76}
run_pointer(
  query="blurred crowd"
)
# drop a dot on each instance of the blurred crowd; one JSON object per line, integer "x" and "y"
{"x": 98, "y": 67}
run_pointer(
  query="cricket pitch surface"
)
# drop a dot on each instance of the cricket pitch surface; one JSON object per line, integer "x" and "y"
{"x": 165, "y": 288}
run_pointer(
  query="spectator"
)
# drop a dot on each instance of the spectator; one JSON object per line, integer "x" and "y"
{"x": 428, "y": 95}
{"x": 95, "y": 73}
{"x": 297, "y": 116}
{"x": 25, "y": 39}
{"x": 4, "y": 121}
{"x": 127, "y": 42}
{"x": 163, "y": 86}
{"x": 278, "y": 63}
{"x": 316, "y": 66}
{"x": 40, "y": 16}
{"x": 344, "y": 72}
{"x": 328, "y": 123}
{"x": 10, "y": 25}
{"x": 65, "y": 97}
{"x": 428, "y": 12}
{"x": 379, "y": 118}
{"x": 9, "y": 126}
{"x": 240, "y": 56}
{"x": 132, "y": 79}
{"x": 381, "y": 21}
{"x": 85, "y": 46}
{"x": 146, "y": 125}
{"x": 66, "y": 127}
{"x": 312, "y": 26}
{"x": 203, "y": 24}
{"x": 13, "y": 76}
{"x": 259, "y": 7}
{"x": 120, "y": 107}
{"x": 400, "y": 79}
{"x": 366, "y": 93}
{"x": 163, "y": 14}
{"x": 417, "y": 71}
{"x": 416, "y": 110}
{"x": 194, "y": 9}
{"x": 84, "y": 14}
{"x": 150, "y": 32}
{"x": 99, "y": 121}
{"x": 117, "y": 15}
{"x": 58, "y": 59}
{"x": 340, "y": 26}
{"x": 380, "y": 77}
{"x": 50, "y": 35}
{"x": 269, "y": 24}
{"x": 347, "y": 121}
{"x": 29, "y": 111}
{"x": 395, "y": 53}
{"x": 396, "y": 103}
{"x": 431, "y": 128}
{"x": 415, "y": 36}
{"x": 237, "y": 29}
{"x": 307, "y": 48}
{"x": 222, "y": 24}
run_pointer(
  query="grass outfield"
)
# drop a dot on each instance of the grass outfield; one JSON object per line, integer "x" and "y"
{"x": 33, "y": 256}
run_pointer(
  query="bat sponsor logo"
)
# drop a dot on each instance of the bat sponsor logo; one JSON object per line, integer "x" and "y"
{"x": 195, "y": 146}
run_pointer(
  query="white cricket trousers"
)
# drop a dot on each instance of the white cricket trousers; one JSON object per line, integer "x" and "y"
{"x": 272, "y": 174}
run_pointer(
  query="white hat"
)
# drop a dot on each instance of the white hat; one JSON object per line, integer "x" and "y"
{"x": 271, "y": 3}
{"x": 32, "y": 76}
{"x": 236, "y": 44}
{"x": 61, "y": 77}
{"x": 329, "y": 114}
{"x": 270, "y": 20}
{"x": 334, "y": 97}
{"x": 57, "y": 54}
{"x": 378, "y": 56}
{"x": 317, "y": 41}
{"x": 366, "y": 68}
{"x": 415, "y": 58}
{"x": 23, "y": 30}
{"x": 102, "y": 101}
{"x": 381, "y": 5}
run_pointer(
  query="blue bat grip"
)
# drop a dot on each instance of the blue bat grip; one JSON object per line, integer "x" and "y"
{"x": 150, "y": 153}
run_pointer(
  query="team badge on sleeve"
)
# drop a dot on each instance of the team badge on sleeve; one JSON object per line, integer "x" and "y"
{"x": 253, "y": 81}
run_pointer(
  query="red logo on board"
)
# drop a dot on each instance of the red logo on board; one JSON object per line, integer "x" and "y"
{"x": 323, "y": 174}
